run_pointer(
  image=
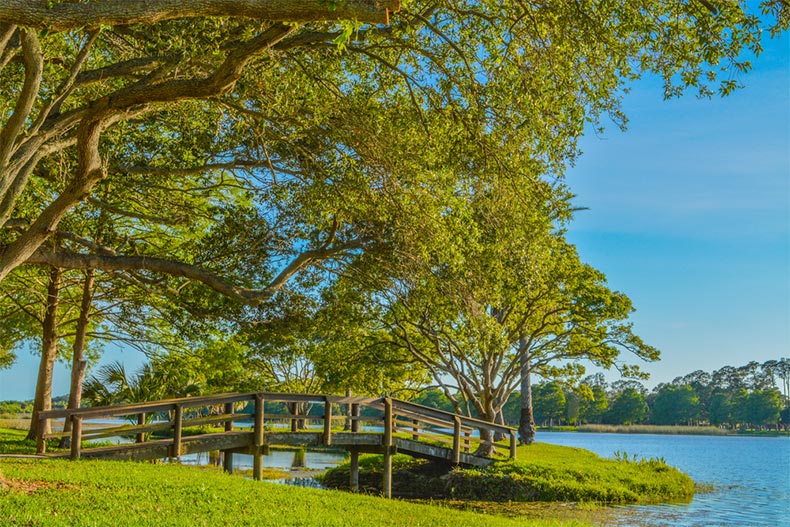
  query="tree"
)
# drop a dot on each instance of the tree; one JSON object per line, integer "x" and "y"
{"x": 720, "y": 410}
{"x": 476, "y": 293}
{"x": 434, "y": 398}
{"x": 549, "y": 402}
{"x": 147, "y": 99}
{"x": 80, "y": 72}
{"x": 764, "y": 407}
{"x": 112, "y": 384}
{"x": 627, "y": 408}
{"x": 675, "y": 405}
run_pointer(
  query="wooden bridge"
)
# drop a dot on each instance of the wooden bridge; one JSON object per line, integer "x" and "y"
{"x": 171, "y": 428}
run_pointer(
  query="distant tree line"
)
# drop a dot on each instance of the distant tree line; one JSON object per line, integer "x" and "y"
{"x": 754, "y": 396}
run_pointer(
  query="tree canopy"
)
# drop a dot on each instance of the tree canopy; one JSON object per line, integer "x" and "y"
{"x": 227, "y": 160}
{"x": 196, "y": 94}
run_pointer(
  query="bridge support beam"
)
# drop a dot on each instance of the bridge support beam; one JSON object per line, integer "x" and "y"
{"x": 354, "y": 473}
{"x": 387, "y": 483}
{"x": 387, "y": 487}
{"x": 227, "y": 461}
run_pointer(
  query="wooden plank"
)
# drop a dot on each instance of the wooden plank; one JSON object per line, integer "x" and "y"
{"x": 294, "y": 438}
{"x": 164, "y": 448}
{"x": 125, "y": 430}
{"x": 457, "y": 440}
{"x": 76, "y": 437}
{"x": 387, "y": 443}
{"x": 148, "y": 407}
{"x": 140, "y": 422}
{"x": 257, "y": 463}
{"x": 513, "y": 444}
{"x": 327, "y": 421}
{"x": 355, "y": 417}
{"x": 354, "y": 472}
{"x": 177, "y": 426}
{"x": 258, "y": 418}
{"x": 41, "y": 441}
{"x": 437, "y": 424}
{"x": 438, "y": 453}
{"x": 275, "y": 397}
{"x": 229, "y": 412}
{"x": 442, "y": 415}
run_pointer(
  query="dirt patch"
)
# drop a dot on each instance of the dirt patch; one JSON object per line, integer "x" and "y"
{"x": 29, "y": 487}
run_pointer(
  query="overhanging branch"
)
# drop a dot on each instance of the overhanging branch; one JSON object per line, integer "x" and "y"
{"x": 106, "y": 262}
{"x": 64, "y": 16}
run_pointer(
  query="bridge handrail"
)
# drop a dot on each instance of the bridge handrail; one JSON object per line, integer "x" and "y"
{"x": 392, "y": 409}
{"x": 450, "y": 417}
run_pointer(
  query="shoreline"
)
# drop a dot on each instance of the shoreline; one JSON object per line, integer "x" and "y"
{"x": 664, "y": 430}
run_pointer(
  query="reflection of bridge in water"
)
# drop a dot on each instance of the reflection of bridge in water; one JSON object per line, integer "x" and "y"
{"x": 406, "y": 428}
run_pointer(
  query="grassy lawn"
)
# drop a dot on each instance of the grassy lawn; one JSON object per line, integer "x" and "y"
{"x": 62, "y": 493}
{"x": 101, "y": 493}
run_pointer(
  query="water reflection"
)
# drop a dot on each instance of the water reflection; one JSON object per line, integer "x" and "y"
{"x": 282, "y": 459}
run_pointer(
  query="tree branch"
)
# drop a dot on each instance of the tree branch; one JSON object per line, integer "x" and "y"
{"x": 106, "y": 262}
{"x": 34, "y": 68}
{"x": 62, "y": 16}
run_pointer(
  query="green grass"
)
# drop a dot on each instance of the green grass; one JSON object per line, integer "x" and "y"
{"x": 12, "y": 441}
{"x": 541, "y": 472}
{"x": 99, "y": 493}
{"x": 62, "y": 493}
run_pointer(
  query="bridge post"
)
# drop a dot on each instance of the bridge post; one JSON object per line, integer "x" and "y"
{"x": 387, "y": 484}
{"x": 227, "y": 456}
{"x": 140, "y": 422}
{"x": 41, "y": 443}
{"x": 354, "y": 416}
{"x": 354, "y": 474}
{"x": 257, "y": 458}
{"x": 76, "y": 436}
{"x": 327, "y": 421}
{"x": 177, "y": 427}
{"x": 456, "y": 440}
{"x": 513, "y": 444}
{"x": 293, "y": 408}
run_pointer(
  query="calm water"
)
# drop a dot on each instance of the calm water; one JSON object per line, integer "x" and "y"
{"x": 751, "y": 476}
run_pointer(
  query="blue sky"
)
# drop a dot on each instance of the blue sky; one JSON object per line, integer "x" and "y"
{"x": 689, "y": 215}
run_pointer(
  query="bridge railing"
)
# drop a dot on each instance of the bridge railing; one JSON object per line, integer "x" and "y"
{"x": 391, "y": 417}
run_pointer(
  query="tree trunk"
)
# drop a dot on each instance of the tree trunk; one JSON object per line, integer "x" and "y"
{"x": 500, "y": 420}
{"x": 526, "y": 423}
{"x": 486, "y": 447}
{"x": 49, "y": 351}
{"x": 78, "y": 362}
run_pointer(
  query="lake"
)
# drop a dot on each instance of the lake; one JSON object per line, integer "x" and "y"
{"x": 750, "y": 475}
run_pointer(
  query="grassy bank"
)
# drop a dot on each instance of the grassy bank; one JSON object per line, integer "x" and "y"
{"x": 99, "y": 493}
{"x": 541, "y": 472}
{"x": 59, "y": 493}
